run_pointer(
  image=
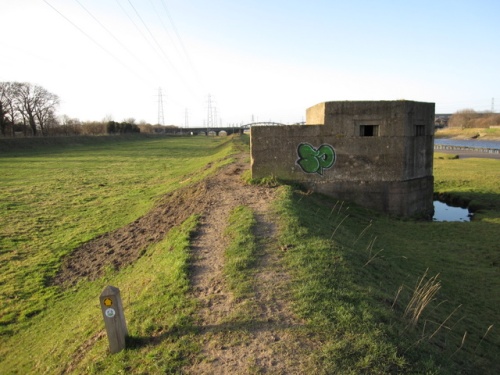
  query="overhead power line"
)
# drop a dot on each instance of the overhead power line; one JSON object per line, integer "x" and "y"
{"x": 152, "y": 36}
{"x": 146, "y": 74}
{"x": 93, "y": 40}
{"x": 163, "y": 26}
{"x": 186, "y": 54}
{"x": 165, "y": 56}
{"x": 115, "y": 38}
{"x": 138, "y": 28}
{"x": 145, "y": 37}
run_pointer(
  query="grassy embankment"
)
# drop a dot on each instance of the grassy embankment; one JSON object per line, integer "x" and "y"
{"x": 396, "y": 296}
{"x": 57, "y": 194}
{"x": 240, "y": 255}
{"x": 354, "y": 273}
{"x": 359, "y": 285}
{"x": 492, "y": 134}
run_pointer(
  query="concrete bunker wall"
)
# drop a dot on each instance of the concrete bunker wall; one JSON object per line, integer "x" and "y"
{"x": 377, "y": 154}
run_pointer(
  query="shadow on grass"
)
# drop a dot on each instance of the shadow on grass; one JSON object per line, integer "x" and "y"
{"x": 250, "y": 327}
{"x": 465, "y": 255}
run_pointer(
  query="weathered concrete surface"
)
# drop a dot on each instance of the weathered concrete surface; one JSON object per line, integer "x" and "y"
{"x": 383, "y": 153}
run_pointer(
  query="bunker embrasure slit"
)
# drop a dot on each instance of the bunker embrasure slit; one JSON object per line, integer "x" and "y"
{"x": 368, "y": 130}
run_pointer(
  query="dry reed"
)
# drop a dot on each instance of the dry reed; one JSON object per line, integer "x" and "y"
{"x": 423, "y": 295}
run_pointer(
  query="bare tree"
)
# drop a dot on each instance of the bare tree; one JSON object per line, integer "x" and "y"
{"x": 25, "y": 103}
{"x": 36, "y": 105}
{"x": 463, "y": 119}
{"x": 69, "y": 126}
{"x": 3, "y": 108}
{"x": 45, "y": 107}
{"x": 129, "y": 120}
{"x": 8, "y": 113}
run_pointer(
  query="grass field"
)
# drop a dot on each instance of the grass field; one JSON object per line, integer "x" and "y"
{"x": 483, "y": 133}
{"x": 354, "y": 272}
{"x": 55, "y": 197}
{"x": 358, "y": 288}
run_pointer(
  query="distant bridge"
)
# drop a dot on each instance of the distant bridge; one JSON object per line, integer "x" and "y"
{"x": 467, "y": 148}
{"x": 264, "y": 123}
{"x": 202, "y": 130}
{"x": 217, "y": 129}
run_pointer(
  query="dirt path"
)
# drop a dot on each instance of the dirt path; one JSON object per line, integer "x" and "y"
{"x": 259, "y": 334}
{"x": 250, "y": 336}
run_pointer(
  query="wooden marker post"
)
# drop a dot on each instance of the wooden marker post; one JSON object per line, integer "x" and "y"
{"x": 114, "y": 318}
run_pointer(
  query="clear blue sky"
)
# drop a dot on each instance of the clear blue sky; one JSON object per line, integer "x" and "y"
{"x": 269, "y": 59}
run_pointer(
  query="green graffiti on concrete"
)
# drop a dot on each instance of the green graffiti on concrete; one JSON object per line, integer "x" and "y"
{"x": 313, "y": 160}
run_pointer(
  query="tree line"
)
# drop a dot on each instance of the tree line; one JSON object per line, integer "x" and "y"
{"x": 30, "y": 110}
{"x": 26, "y": 108}
{"x": 468, "y": 118}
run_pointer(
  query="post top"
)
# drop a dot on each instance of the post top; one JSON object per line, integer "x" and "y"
{"x": 110, "y": 291}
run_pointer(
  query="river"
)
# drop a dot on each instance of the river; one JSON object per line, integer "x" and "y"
{"x": 472, "y": 143}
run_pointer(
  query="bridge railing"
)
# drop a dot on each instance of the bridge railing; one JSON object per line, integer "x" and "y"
{"x": 268, "y": 123}
{"x": 465, "y": 148}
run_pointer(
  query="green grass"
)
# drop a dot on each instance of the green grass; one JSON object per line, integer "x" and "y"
{"x": 475, "y": 181}
{"x": 69, "y": 335}
{"x": 240, "y": 255}
{"x": 442, "y": 155}
{"x": 328, "y": 294}
{"x": 484, "y": 133}
{"x": 55, "y": 197}
{"x": 355, "y": 272}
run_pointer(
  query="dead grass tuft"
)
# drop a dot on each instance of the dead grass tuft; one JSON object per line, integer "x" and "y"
{"x": 423, "y": 295}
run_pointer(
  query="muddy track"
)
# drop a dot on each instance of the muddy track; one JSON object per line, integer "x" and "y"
{"x": 125, "y": 245}
{"x": 250, "y": 336}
